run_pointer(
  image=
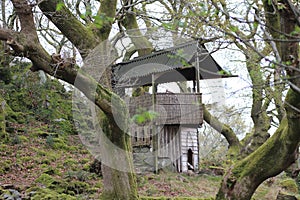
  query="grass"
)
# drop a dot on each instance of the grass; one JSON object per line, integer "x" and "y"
{"x": 37, "y": 166}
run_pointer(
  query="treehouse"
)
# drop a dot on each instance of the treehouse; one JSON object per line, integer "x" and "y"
{"x": 164, "y": 126}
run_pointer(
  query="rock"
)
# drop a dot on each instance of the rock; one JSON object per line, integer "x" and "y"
{"x": 15, "y": 193}
{"x": 12, "y": 195}
{"x": 32, "y": 193}
{"x": 182, "y": 179}
{"x": 8, "y": 186}
{"x": 190, "y": 173}
{"x": 282, "y": 196}
{"x": 7, "y": 197}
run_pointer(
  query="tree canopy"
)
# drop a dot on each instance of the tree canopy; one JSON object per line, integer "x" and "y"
{"x": 57, "y": 35}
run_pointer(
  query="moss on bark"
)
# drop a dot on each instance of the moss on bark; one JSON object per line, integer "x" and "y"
{"x": 274, "y": 156}
{"x": 83, "y": 38}
{"x": 3, "y": 134}
{"x": 119, "y": 181}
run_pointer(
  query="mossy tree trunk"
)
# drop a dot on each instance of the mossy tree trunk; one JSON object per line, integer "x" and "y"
{"x": 117, "y": 184}
{"x": 262, "y": 95}
{"x": 3, "y": 134}
{"x": 279, "y": 151}
{"x": 275, "y": 155}
{"x": 118, "y": 177}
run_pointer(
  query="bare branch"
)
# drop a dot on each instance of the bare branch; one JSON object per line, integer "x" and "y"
{"x": 224, "y": 129}
{"x": 68, "y": 24}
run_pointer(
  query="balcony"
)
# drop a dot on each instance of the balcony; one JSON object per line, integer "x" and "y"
{"x": 169, "y": 109}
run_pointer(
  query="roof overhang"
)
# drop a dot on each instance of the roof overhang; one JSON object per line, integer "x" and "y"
{"x": 170, "y": 65}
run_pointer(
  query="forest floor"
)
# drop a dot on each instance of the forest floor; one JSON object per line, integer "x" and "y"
{"x": 40, "y": 165}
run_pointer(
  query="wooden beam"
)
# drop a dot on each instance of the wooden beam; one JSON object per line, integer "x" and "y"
{"x": 155, "y": 133}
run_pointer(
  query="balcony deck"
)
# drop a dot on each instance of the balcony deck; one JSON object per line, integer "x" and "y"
{"x": 171, "y": 108}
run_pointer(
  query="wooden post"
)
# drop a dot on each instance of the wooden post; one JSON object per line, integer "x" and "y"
{"x": 198, "y": 67}
{"x": 198, "y": 91}
{"x": 154, "y": 127}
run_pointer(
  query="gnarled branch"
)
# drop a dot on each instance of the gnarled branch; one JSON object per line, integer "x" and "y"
{"x": 222, "y": 128}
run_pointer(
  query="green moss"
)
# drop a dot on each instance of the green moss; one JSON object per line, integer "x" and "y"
{"x": 70, "y": 162}
{"x": 65, "y": 127}
{"x": 26, "y": 158}
{"x": 45, "y": 161}
{"x": 84, "y": 161}
{"x": 44, "y": 134}
{"x": 23, "y": 139}
{"x": 83, "y": 151}
{"x": 79, "y": 175}
{"x": 72, "y": 148}
{"x": 46, "y": 180}
{"x": 4, "y": 137}
{"x": 51, "y": 171}
{"x": 174, "y": 198}
{"x": 50, "y": 156}
{"x": 48, "y": 194}
{"x": 289, "y": 185}
{"x": 3, "y": 147}
{"x": 40, "y": 152}
{"x": 77, "y": 187}
{"x": 59, "y": 143}
{"x": 93, "y": 190}
{"x": 5, "y": 166}
{"x": 3, "y": 134}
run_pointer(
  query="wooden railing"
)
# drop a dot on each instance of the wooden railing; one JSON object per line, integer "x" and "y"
{"x": 170, "y": 108}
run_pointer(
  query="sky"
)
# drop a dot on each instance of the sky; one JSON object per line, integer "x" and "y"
{"x": 229, "y": 92}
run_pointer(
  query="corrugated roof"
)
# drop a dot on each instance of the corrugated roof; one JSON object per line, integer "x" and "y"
{"x": 174, "y": 64}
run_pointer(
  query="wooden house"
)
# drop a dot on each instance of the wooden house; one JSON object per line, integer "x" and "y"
{"x": 165, "y": 125}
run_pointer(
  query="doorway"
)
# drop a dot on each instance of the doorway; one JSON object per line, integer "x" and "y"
{"x": 190, "y": 160}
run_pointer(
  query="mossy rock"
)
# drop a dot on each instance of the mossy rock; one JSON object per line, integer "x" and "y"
{"x": 282, "y": 196}
{"x": 289, "y": 185}
{"x": 48, "y": 194}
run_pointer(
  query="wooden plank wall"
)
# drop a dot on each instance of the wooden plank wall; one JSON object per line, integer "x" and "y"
{"x": 174, "y": 143}
{"x": 169, "y": 144}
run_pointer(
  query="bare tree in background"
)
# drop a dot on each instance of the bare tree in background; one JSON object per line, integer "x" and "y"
{"x": 259, "y": 34}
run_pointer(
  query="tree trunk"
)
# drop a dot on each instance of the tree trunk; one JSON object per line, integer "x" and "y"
{"x": 3, "y": 134}
{"x": 278, "y": 152}
{"x": 117, "y": 184}
{"x": 116, "y": 158}
{"x": 270, "y": 159}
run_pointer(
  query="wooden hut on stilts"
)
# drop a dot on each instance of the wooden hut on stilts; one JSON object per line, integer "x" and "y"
{"x": 165, "y": 124}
